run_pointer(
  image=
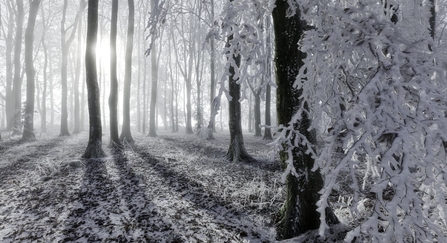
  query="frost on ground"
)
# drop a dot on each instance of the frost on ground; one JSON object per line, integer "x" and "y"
{"x": 173, "y": 188}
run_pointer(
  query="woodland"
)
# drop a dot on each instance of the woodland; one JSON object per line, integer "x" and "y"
{"x": 223, "y": 121}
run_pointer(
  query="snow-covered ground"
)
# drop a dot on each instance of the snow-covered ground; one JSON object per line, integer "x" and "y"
{"x": 173, "y": 188}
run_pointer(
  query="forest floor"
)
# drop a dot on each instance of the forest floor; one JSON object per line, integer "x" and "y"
{"x": 173, "y": 188}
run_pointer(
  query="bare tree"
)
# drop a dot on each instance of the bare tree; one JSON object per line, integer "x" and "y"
{"x": 113, "y": 97}
{"x": 94, "y": 147}
{"x": 17, "y": 88}
{"x": 125, "y": 131}
{"x": 65, "y": 47}
{"x": 28, "y": 131}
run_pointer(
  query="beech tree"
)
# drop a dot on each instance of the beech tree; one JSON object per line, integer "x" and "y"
{"x": 17, "y": 88}
{"x": 233, "y": 51}
{"x": 28, "y": 131}
{"x": 113, "y": 97}
{"x": 8, "y": 97}
{"x": 370, "y": 76}
{"x": 299, "y": 213}
{"x": 126, "y": 133}
{"x": 65, "y": 47}
{"x": 94, "y": 146}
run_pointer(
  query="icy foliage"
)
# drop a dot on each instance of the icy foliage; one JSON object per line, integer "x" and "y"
{"x": 377, "y": 98}
{"x": 243, "y": 20}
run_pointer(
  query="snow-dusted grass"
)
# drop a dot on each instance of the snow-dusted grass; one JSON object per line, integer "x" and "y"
{"x": 173, "y": 188}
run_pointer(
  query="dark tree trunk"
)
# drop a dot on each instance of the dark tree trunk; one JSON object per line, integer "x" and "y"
{"x": 432, "y": 19}
{"x": 250, "y": 114}
{"x": 17, "y": 88}
{"x": 298, "y": 214}
{"x": 28, "y": 129}
{"x": 94, "y": 147}
{"x": 126, "y": 133}
{"x": 268, "y": 123}
{"x": 236, "y": 151}
{"x": 257, "y": 113}
{"x": 113, "y": 97}
{"x": 268, "y": 64}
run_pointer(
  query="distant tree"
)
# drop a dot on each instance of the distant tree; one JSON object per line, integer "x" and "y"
{"x": 17, "y": 88}
{"x": 154, "y": 92}
{"x": 126, "y": 133}
{"x": 77, "y": 108}
{"x": 65, "y": 47}
{"x": 28, "y": 131}
{"x": 268, "y": 76}
{"x": 9, "y": 44}
{"x": 94, "y": 146}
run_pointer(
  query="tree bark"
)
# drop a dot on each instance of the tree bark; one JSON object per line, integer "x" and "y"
{"x": 113, "y": 97}
{"x": 299, "y": 213}
{"x": 268, "y": 63}
{"x": 154, "y": 88}
{"x": 236, "y": 151}
{"x": 126, "y": 133}
{"x": 257, "y": 113}
{"x": 28, "y": 131}
{"x": 17, "y": 88}
{"x": 94, "y": 146}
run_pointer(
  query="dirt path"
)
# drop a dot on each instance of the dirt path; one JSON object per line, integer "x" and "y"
{"x": 167, "y": 189}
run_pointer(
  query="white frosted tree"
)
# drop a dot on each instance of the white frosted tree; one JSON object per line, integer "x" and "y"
{"x": 376, "y": 95}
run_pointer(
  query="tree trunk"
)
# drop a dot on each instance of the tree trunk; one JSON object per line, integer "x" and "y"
{"x": 9, "y": 95}
{"x": 236, "y": 151}
{"x": 299, "y": 213}
{"x": 126, "y": 133}
{"x": 65, "y": 47}
{"x": 77, "y": 116}
{"x": 152, "y": 118}
{"x": 257, "y": 113}
{"x": 94, "y": 147}
{"x": 212, "y": 124}
{"x": 268, "y": 63}
{"x": 17, "y": 88}
{"x": 113, "y": 97}
{"x": 43, "y": 111}
{"x": 250, "y": 114}
{"x": 28, "y": 131}
{"x": 268, "y": 123}
{"x": 432, "y": 19}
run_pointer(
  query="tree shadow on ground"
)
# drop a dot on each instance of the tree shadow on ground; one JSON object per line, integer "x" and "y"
{"x": 220, "y": 209}
{"x": 213, "y": 152}
{"x": 21, "y": 164}
{"x": 89, "y": 219}
{"x": 143, "y": 214}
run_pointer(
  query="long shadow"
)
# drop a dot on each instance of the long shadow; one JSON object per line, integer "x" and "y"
{"x": 213, "y": 152}
{"x": 89, "y": 220}
{"x": 217, "y": 207}
{"x": 15, "y": 168}
{"x": 144, "y": 215}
